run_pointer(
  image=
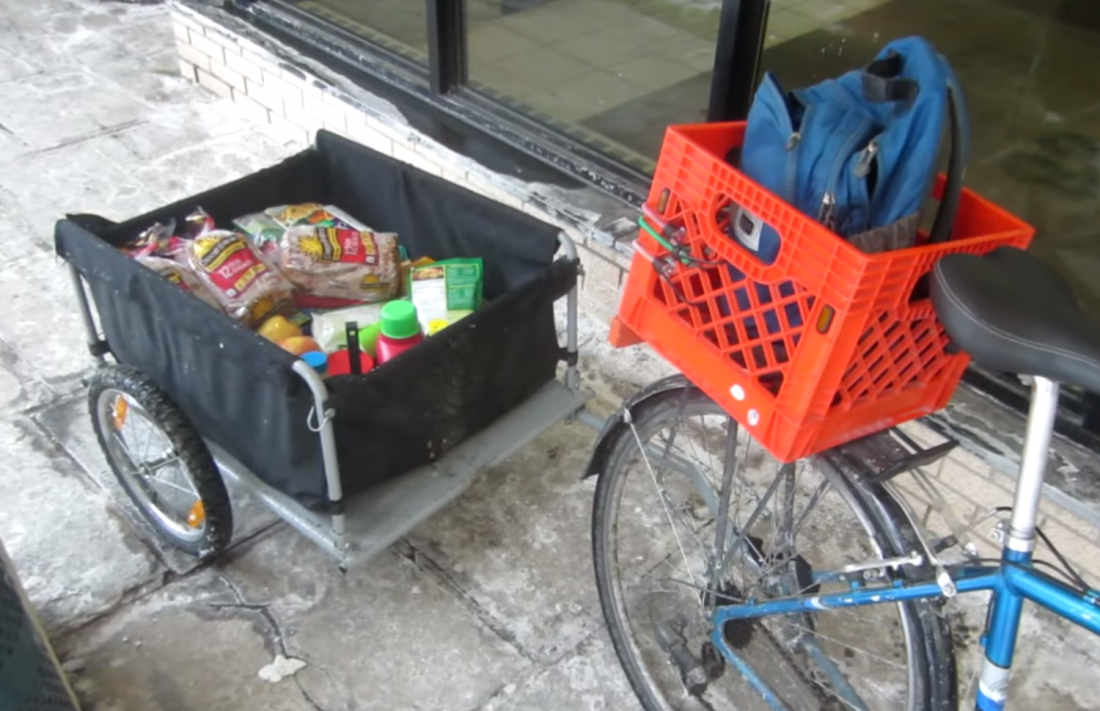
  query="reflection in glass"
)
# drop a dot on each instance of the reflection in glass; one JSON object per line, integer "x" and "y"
{"x": 1029, "y": 72}
{"x": 611, "y": 72}
{"x": 400, "y": 25}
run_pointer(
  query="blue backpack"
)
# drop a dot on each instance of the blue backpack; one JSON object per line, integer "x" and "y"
{"x": 857, "y": 153}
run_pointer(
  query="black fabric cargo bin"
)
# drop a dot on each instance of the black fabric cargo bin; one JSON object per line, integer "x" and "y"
{"x": 239, "y": 389}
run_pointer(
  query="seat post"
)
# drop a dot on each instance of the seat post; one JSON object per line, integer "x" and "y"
{"x": 1029, "y": 486}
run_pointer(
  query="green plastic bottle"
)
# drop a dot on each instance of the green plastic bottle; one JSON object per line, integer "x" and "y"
{"x": 368, "y": 338}
{"x": 400, "y": 330}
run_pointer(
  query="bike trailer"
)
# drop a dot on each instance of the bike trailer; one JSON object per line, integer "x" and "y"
{"x": 244, "y": 394}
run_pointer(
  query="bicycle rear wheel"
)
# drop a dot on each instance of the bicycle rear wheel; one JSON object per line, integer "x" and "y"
{"x": 789, "y": 529}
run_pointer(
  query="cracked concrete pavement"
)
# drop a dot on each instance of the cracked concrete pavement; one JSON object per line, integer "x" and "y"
{"x": 489, "y": 605}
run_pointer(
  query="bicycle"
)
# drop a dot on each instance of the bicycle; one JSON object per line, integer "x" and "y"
{"x": 760, "y": 620}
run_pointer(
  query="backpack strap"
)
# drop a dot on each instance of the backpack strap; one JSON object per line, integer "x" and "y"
{"x": 956, "y": 164}
{"x": 881, "y": 82}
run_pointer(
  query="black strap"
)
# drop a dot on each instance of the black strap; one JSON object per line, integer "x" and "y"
{"x": 952, "y": 191}
{"x": 882, "y": 81}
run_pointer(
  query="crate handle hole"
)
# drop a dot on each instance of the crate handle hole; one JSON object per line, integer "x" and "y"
{"x": 922, "y": 290}
{"x": 744, "y": 229}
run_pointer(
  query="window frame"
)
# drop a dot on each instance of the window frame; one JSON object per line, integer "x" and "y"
{"x": 445, "y": 82}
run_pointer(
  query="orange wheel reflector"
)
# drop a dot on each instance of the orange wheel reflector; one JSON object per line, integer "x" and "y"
{"x": 197, "y": 515}
{"x": 121, "y": 408}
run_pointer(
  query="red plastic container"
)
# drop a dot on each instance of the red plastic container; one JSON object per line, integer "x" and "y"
{"x": 400, "y": 330}
{"x": 339, "y": 363}
{"x": 852, "y": 344}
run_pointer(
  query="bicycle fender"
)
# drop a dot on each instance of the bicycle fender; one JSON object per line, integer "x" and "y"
{"x": 601, "y": 450}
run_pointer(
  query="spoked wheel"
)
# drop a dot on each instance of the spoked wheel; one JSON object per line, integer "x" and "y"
{"x": 788, "y": 530}
{"x": 160, "y": 461}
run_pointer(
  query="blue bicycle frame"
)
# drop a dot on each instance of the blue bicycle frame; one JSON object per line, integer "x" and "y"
{"x": 1012, "y": 582}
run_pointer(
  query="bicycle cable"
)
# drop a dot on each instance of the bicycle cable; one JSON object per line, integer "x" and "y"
{"x": 1068, "y": 569}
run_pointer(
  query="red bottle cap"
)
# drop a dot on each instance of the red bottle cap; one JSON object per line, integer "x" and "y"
{"x": 339, "y": 363}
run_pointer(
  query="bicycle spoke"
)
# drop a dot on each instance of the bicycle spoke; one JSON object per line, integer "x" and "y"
{"x": 814, "y": 499}
{"x": 664, "y": 504}
{"x": 156, "y": 481}
{"x": 729, "y": 464}
{"x": 744, "y": 527}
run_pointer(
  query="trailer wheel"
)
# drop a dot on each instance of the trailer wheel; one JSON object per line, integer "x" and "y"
{"x": 160, "y": 461}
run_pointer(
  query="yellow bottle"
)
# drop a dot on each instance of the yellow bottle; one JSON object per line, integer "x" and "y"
{"x": 278, "y": 329}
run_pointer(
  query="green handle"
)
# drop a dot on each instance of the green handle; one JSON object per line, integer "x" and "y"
{"x": 664, "y": 242}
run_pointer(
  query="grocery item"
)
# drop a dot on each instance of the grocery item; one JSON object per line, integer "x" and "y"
{"x": 445, "y": 291}
{"x": 158, "y": 240}
{"x": 301, "y": 319}
{"x": 316, "y": 360}
{"x": 368, "y": 338}
{"x": 313, "y": 214}
{"x": 197, "y": 223}
{"x": 278, "y": 329}
{"x": 328, "y": 326}
{"x": 263, "y": 230}
{"x": 406, "y": 268}
{"x": 247, "y": 288}
{"x": 341, "y": 263}
{"x": 352, "y": 338}
{"x": 400, "y": 330}
{"x": 299, "y": 345}
{"x": 181, "y": 276}
{"x": 339, "y": 363}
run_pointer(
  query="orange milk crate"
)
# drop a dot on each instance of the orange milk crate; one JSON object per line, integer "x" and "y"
{"x": 826, "y": 344}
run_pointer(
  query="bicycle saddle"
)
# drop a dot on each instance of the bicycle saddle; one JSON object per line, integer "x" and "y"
{"x": 1013, "y": 313}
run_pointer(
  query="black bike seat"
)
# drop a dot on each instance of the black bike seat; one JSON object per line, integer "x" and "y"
{"x": 1013, "y": 313}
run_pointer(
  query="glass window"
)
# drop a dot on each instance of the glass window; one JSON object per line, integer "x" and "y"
{"x": 1029, "y": 73}
{"x": 612, "y": 73}
{"x": 399, "y": 25}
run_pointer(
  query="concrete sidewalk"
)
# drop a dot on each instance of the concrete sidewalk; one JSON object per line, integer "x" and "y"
{"x": 490, "y": 605}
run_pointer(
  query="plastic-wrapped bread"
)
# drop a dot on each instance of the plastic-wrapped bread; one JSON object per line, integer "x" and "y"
{"x": 180, "y": 275}
{"x": 334, "y": 262}
{"x": 246, "y": 287}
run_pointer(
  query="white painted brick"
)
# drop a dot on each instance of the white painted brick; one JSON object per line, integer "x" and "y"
{"x": 292, "y": 130}
{"x": 244, "y": 66}
{"x": 251, "y": 107}
{"x": 228, "y": 41}
{"x": 269, "y": 97}
{"x": 337, "y": 122}
{"x": 189, "y": 54}
{"x": 290, "y": 94}
{"x": 310, "y": 85}
{"x": 417, "y": 160}
{"x": 230, "y": 77}
{"x": 181, "y": 32}
{"x": 263, "y": 60}
{"x": 211, "y": 82}
{"x": 328, "y": 113}
{"x": 186, "y": 21}
{"x": 187, "y": 69}
{"x": 398, "y": 134}
{"x": 208, "y": 47}
{"x": 453, "y": 174}
{"x": 359, "y": 131}
{"x": 493, "y": 191}
{"x": 336, "y": 98}
{"x": 303, "y": 119}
